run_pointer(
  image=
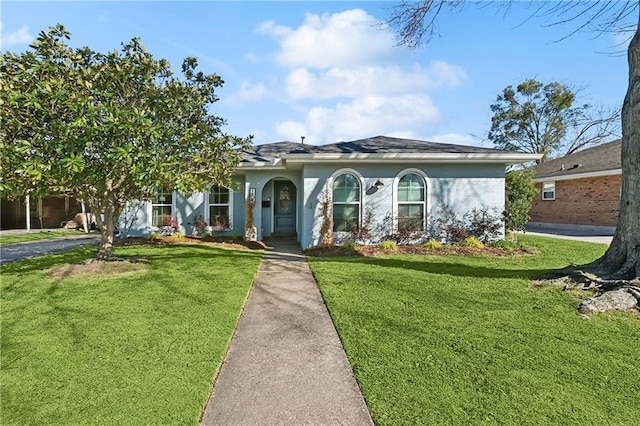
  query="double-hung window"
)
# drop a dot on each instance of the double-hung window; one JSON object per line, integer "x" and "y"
{"x": 220, "y": 207}
{"x": 346, "y": 203}
{"x": 161, "y": 208}
{"x": 411, "y": 203}
{"x": 548, "y": 190}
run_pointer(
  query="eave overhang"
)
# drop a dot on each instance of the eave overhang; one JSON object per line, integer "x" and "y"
{"x": 507, "y": 158}
{"x": 363, "y": 158}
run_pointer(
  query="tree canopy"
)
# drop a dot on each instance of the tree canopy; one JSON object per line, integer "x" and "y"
{"x": 544, "y": 119}
{"x": 110, "y": 127}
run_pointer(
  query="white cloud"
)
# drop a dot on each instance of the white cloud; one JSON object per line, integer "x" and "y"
{"x": 247, "y": 93}
{"x": 291, "y": 130}
{"x": 371, "y": 80}
{"x": 270, "y": 28}
{"x": 329, "y": 40}
{"x": 363, "y": 117}
{"x": 351, "y": 58}
{"x": 18, "y": 37}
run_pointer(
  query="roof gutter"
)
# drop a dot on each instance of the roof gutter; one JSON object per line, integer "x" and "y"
{"x": 507, "y": 158}
{"x": 584, "y": 175}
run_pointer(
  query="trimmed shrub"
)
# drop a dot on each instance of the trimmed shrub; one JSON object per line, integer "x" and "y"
{"x": 349, "y": 245}
{"x": 471, "y": 242}
{"x": 504, "y": 244}
{"x": 387, "y": 246}
{"x": 432, "y": 244}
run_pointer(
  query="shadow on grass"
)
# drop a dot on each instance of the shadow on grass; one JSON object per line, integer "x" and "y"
{"x": 164, "y": 253}
{"x": 446, "y": 268}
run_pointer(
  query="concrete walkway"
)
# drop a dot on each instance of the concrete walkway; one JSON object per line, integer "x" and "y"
{"x": 285, "y": 365}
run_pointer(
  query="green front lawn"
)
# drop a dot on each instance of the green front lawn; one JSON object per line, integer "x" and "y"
{"x": 466, "y": 340}
{"x": 136, "y": 349}
{"x": 36, "y": 235}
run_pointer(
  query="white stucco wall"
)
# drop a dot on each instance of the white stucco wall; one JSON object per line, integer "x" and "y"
{"x": 461, "y": 187}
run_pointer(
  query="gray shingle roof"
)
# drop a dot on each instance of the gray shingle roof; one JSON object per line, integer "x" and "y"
{"x": 599, "y": 158}
{"x": 374, "y": 145}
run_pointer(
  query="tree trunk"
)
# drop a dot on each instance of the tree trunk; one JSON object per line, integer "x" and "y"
{"x": 107, "y": 228}
{"x": 622, "y": 259}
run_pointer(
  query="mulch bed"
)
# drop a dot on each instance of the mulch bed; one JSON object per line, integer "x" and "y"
{"x": 229, "y": 243}
{"x": 331, "y": 251}
{"x": 445, "y": 250}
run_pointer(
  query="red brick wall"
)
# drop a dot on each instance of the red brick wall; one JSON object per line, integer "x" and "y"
{"x": 588, "y": 201}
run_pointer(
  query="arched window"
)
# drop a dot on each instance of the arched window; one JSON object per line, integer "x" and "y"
{"x": 411, "y": 203}
{"x": 346, "y": 202}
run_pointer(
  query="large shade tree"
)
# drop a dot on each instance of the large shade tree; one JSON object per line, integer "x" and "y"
{"x": 416, "y": 21}
{"x": 109, "y": 127}
{"x": 546, "y": 119}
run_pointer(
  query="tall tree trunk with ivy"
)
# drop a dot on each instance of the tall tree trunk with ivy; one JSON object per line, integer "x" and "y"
{"x": 622, "y": 259}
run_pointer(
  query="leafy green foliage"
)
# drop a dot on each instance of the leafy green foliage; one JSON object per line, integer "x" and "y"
{"x": 110, "y": 127}
{"x": 519, "y": 192}
{"x": 543, "y": 119}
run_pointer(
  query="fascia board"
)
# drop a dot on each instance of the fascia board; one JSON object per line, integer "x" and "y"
{"x": 413, "y": 157}
{"x": 599, "y": 173}
{"x": 276, "y": 164}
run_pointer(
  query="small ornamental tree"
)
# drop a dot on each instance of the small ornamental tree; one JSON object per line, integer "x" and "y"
{"x": 110, "y": 127}
{"x": 519, "y": 192}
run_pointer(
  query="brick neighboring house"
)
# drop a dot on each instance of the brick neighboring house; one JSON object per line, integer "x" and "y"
{"x": 582, "y": 188}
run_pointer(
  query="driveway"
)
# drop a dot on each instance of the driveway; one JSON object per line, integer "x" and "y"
{"x": 588, "y": 234}
{"x": 19, "y": 251}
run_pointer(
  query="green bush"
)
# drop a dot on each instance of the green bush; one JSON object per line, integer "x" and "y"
{"x": 177, "y": 236}
{"x": 349, "y": 245}
{"x": 154, "y": 236}
{"x": 504, "y": 244}
{"x": 432, "y": 244}
{"x": 387, "y": 246}
{"x": 471, "y": 242}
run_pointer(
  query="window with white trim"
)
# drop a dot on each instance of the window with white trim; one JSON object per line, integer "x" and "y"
{"x": 346, "y": 202}
{"x": 162, "y": 208}
{"x": 411, "y": 202}
{"x": 220, "y": 211}
{"x": 548, "y": 190}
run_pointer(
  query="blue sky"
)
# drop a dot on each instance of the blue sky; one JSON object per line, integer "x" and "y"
{"x": 327, "y": 71}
